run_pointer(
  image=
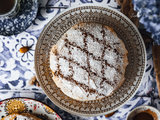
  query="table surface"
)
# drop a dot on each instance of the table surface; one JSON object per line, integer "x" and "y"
{"x": 16, "y": 69}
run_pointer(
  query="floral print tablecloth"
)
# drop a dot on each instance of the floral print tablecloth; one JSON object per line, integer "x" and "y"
{"x": 16, "y": 69}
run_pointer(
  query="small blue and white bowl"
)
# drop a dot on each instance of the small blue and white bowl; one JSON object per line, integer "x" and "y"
{"x": 21, "y": 21}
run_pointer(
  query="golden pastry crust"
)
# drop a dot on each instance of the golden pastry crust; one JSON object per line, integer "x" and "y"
{"x": 89, "y": 62}
{"x": 22, "y": 116}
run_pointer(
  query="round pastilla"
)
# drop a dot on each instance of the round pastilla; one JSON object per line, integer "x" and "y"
{"x": 89, "y": 62}
{"x": 124, "y": 29}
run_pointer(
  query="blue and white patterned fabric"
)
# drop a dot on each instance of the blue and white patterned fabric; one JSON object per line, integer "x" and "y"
{"x": 16, "y": 69}
{"x": 149, "y": 14}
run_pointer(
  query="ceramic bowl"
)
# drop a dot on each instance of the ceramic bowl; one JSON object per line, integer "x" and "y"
{"x": 142, "y": 108}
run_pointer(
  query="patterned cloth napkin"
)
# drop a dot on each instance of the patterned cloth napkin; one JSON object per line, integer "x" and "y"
{"x": 127, "y": 8}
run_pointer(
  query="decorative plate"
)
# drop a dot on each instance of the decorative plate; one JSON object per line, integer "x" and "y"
{"x": 21, "y": 105}
{"x": 124, "y": 29}
{"x": 21, "y": 21}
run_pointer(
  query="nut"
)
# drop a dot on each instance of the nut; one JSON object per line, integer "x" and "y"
{"x": 24, "y": 49}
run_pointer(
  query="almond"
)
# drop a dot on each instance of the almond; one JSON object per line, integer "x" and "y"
{"x": 24, "y": 49}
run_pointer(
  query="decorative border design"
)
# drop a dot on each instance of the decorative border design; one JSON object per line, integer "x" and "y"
{"x": 21, "y": 105}
{"x": 125, "y": 30}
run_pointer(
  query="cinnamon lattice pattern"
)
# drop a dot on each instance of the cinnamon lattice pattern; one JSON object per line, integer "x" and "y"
{"x": 88, "y": 68}
{"x": 85, "y": 46}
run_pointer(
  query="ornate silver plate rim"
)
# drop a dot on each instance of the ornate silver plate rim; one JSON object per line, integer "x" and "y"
{"x": 47, "y": 40}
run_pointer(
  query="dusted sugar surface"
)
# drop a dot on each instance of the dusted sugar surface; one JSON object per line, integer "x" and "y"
{"x": 88, "y": 62}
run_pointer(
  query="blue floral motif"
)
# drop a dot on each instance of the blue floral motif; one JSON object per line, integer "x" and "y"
{"x": 14, "y": 43}
{"x": 15, "y": 67}
{"x": 149, "y": 13}
{"x": 44, "y": 15}
{"x": 99, "y": 0}
{"x": 86, "y": 1}
{"x": 110, "y": 3}
{"x": 28, "y": 56}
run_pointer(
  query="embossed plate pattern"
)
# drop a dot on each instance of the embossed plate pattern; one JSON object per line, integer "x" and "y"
{"x": 126, "y": 31}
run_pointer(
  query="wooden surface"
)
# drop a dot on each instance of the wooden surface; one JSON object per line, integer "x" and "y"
{"x": 127, "y": 9}
{"x": 156, "y": 62}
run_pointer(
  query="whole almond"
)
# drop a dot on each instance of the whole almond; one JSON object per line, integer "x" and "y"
{"x": 24, "y": 49}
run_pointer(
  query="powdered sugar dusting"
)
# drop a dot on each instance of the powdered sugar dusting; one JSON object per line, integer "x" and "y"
{"x": 94, "y": 47}
{"x": 110, "y": 73}
{"x": 72, "y": 36}
{"x": 79, "y": 56}
{"x": 89, "y": 61}
{"x": 110, "y": 56}
{"x": 95, "y": 66}
{"x": 64, "y": 66}
{"x": 80, "y": 75}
